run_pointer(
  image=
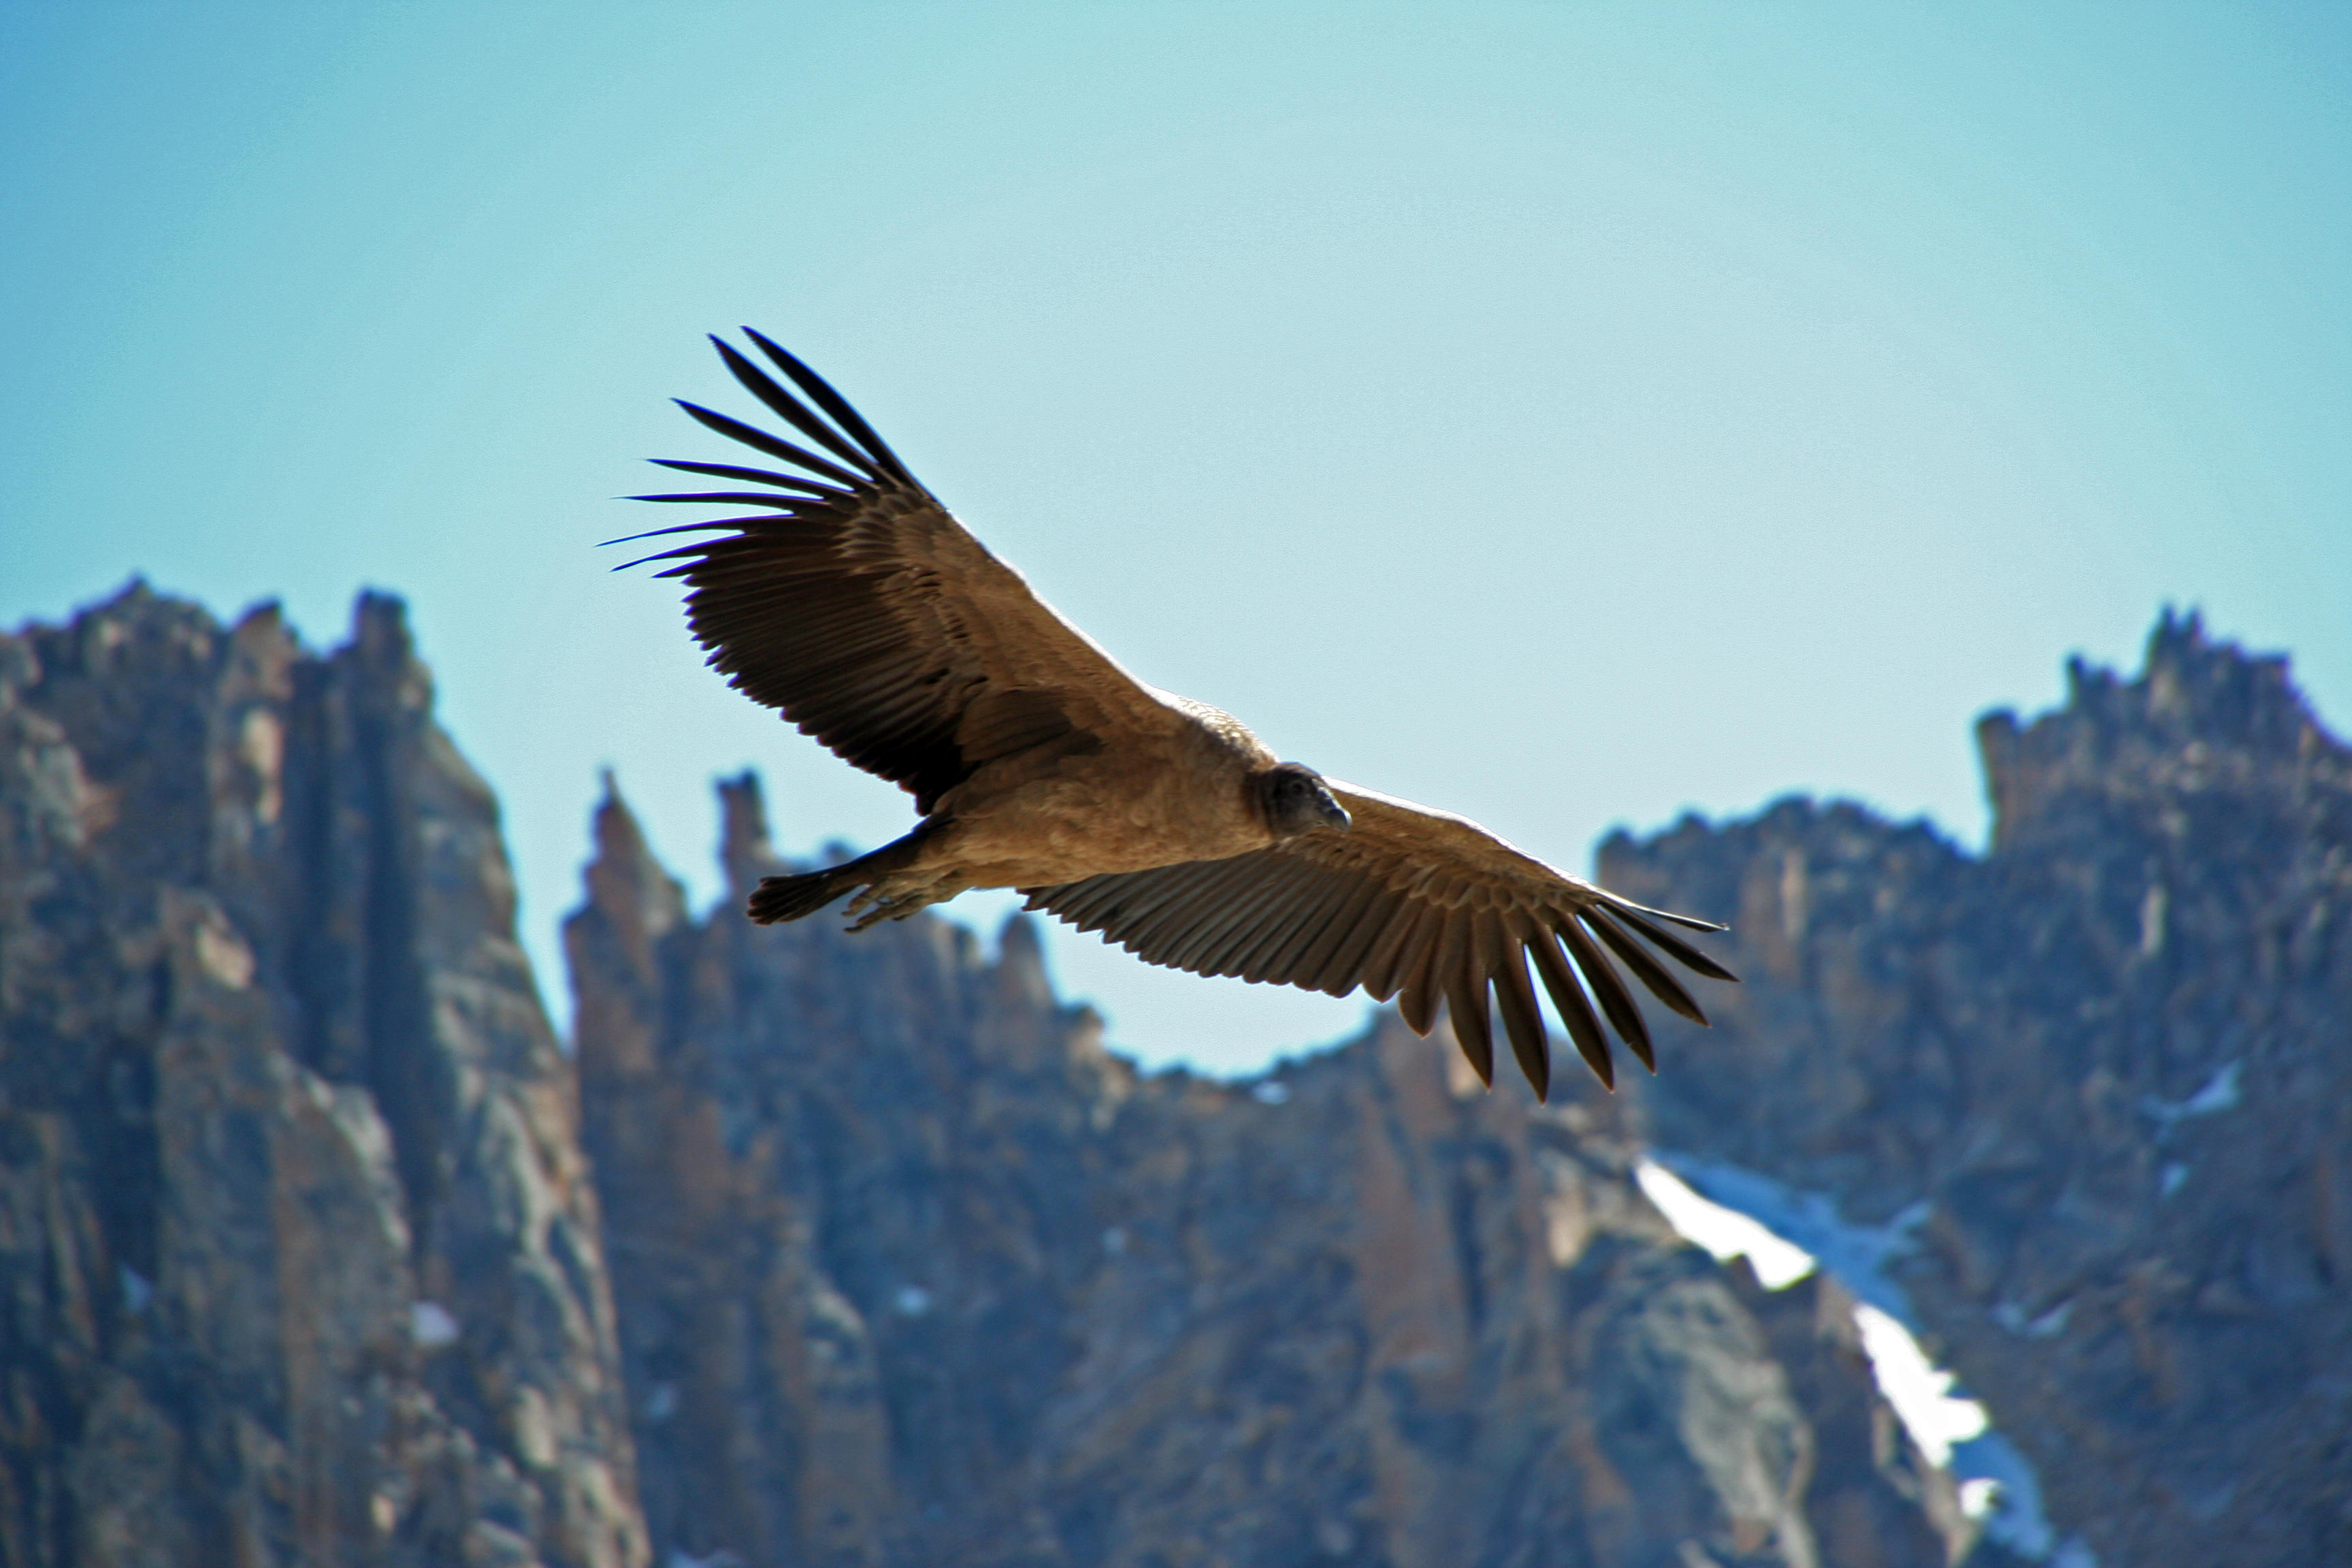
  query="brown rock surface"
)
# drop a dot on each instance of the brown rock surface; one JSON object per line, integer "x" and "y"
{"x": 299, "y": 1259}
{"x": 911, "y": 1270}
{"x": 881, "y": 1256}
{"x": 2114, "y": 1059}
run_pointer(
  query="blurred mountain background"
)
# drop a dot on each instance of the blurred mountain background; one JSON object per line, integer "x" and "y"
{"x": 316, "y": 1247}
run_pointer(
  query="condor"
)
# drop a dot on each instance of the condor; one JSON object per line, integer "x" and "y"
{"x": 850, "y": 601}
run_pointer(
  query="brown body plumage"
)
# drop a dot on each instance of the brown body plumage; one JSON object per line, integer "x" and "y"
{"x": 854, "y": 604}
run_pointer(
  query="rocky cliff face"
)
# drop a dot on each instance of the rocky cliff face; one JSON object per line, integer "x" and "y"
{"x": 861, "y": 1250}
{"x": 909, "y": 1270}
{"x": 2102, "y": 1076}
{"x": 300, "y": 1262}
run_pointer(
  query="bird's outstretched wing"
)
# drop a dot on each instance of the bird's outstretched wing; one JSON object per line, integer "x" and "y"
{"x": 1411, "y": 904}
{"x": 854, "y": 603}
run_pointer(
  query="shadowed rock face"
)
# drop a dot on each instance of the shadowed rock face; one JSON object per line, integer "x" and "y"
{"x": 301, "y": 1261}
{"x": 2112, "y": 1056}
{"x": 298, "y": 1258}
{"x": 911, "y": 1270}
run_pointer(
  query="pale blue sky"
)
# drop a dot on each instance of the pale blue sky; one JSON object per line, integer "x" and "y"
{"x": 1566, "y": 414}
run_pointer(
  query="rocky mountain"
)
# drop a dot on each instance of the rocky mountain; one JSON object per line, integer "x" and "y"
{"x": 299, "y": 1261}
{"x": 315, "y": 1248}
{"x": 2099, "y": 1077}
{"x": 911, "y": 1271}
{"x": 819, "y": 1249}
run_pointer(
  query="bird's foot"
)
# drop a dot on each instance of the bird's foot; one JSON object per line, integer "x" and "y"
{"x": 879, "y": 902}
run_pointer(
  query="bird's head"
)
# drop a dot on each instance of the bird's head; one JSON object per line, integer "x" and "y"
{"x": 1296, "y": 801}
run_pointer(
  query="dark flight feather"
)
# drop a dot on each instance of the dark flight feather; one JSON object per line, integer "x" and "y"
{"x": 754, "y": 476}
{"x": 1654, "y": 976}
{"x": 1575, "y": 1009}
{"x": 755, "y": 381}
{"x": 1521, "y": 1019}
{"x": 1675, "y": 947}
{"x": 719, "y": 497}
{"x": 822, "y": 393}
{"x": 760, "y": 440}
{"x": 1466, "y": 1010}
{"x": 1600, "y": 977}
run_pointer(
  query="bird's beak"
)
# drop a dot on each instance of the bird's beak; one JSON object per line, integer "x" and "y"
{"x": 1334, "y": 814}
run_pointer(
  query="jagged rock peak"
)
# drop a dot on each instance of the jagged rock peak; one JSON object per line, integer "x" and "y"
{"x": 1021, "y": 961}
{"x": 2192, "y": 686}
{"x": 277, "y": 1080}
{"x": 624, "y": 880}
{"x": 380, "y": 628}
{"x": 745, "y": 854}
{"x": 2199, "y": 710}
{"x": 2102, "y": 1067}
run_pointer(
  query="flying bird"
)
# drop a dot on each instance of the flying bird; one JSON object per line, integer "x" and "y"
{"x": 851, "y": 601}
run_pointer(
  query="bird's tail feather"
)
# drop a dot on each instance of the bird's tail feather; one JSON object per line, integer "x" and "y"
{"x": 790, "y": 898}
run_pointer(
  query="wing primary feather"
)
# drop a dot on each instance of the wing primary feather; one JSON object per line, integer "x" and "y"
{"x": 662, "y": 533}
{"x": 1689, "y": 922}
{"x": 787, "y": 407}
{"x": 750, "y": 476}
{"x": 1652, "y": 974}
{"x": 683, "y": 550}
{"x": 821, "y": 393}
{"x": 1415, "y": 946}
{"x": 1487, "y": 942}
{"x": 721, "y": 498}
{"x": 771, "y": 537}
{"x": 1377, "y": 970}
{"x": 1465, "y": 1006}
{"x": 1416, "y": 997}
{"x": 1448, "y": 954}
{"x": 1609, "y": 989}
{"x": 1673, "y": 946}
{"x": 759, "y": 439}
{"x": 1575, "y": 1012}
{"x": 1522, "y": 1021}
{"x": 748, "y": 529}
